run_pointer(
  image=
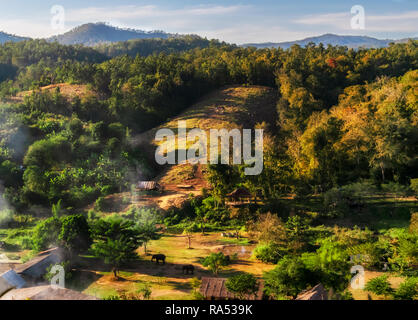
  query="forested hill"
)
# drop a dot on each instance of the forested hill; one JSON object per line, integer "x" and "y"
{"x": 353, "y": 42}
{"x": 5, "y": 37}
{"x": 145, "y": 47}
{"x": 92, "y": 34}
{"x": 342, "y": 115}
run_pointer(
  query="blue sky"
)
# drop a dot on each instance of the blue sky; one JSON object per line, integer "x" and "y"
{"x": 237, "y": 21}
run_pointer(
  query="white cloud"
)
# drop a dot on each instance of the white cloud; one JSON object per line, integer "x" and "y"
{"x": 27, "y": 28}
{"x": 340, "y": 21}
{"x": 148, "y": 12}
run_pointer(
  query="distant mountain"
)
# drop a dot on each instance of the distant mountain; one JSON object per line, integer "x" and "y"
{"x": 5, "y": 37}
{"x": 354, "y": 42}
{"x": 92, "y": 34}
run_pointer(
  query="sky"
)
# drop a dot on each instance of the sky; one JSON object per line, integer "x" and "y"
{"x": 234, "y": 21}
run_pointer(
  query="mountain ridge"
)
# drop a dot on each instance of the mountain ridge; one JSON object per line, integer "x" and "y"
{"x": 92, "y": 34}
{"x": 99, "y": 33}
{"x": 350, "y": 41}
{"x": 6, "y": 37}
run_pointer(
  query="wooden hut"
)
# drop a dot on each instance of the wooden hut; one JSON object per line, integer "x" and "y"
{"x": 215, "y": 289}
{"x": 147, "y": 186}
{"x": 316, "y": 293}
{"x": 239, "y": 195}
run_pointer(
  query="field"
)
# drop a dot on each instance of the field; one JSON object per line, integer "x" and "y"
{"x": 167, "y": 281}
{"x": 70, "y": 91}
{"x": 233, "y": 107}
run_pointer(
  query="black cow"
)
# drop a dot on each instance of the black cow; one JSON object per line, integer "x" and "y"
{"x": 158, "y": 258}
{"x": 188, "y": 269}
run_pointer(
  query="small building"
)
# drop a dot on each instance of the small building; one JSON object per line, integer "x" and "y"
{"x": 45, "y": 293}
{"x": 215, "y": 289}
{"x": 34, "y": 270}
{"x": 316, "y": 293}
{"x": 239, "y": 195}
{"x": 10, "y": 280}
{"x": 148, "y": 186}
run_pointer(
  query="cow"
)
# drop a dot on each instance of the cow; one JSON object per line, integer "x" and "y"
{"x": 158, "y": 258}
{"x": 188, "y": 269}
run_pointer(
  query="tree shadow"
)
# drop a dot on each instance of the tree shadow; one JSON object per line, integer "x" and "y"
{"x": 82, "y": 279}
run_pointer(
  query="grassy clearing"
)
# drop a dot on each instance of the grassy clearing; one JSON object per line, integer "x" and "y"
{"x": 232, "y": 107}
{"x": 167, "y": 281}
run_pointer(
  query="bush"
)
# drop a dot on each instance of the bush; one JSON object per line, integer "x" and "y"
{"x": 408, "y": 290}
{"x": 75, "y": 233}
{"x": 215, "y": 262}
{"x": 269, "y": 252}
{"x": 369, "y": 254}
{"x": 380, "y": 286}
{"x": 396, "y": 189}
{"x": 67, "y": 269}
{"x": 242, "y": 285}
{"x": 100, "y": 204}
{"x": 6, "y": 217}
{"x": 335, "y": 203}
{"x": 413, "y": 226}
{"x": 46, "y": 233}
{"x": 414, "y": 185}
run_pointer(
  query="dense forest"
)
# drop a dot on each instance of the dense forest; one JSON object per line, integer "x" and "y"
{"x": 343, "y": 115}
{"x": 346, "y": 124}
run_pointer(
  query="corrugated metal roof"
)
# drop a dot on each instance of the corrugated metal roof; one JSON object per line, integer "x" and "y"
{"x": 45, "y": 293}
{"x": 36, "y": 268}
{"x": 10, "y": 280}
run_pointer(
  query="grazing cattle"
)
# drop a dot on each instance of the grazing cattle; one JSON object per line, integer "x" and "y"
{"x": 228, "y": 259}
{"x": 188, "y": 269}
{"x": 158, "y": 258}
{"x": 228, "y": 235}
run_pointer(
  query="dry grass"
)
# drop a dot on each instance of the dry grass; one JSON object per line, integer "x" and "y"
{"x": 359, "y": 294}
{"x": 69, "y": 91}
{"x": 234, "y": 107}
{"x": 167, "y": 281}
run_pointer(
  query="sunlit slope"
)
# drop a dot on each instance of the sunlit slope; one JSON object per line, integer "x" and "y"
{"x": 233, "y": 107}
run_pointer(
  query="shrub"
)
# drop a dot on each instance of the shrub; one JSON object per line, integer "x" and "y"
{"x": 369, "y": 254}
{"x": 396, "y": 189}
{"x": 408, "y": 290}
{"x": 413, "y": 226}
{"x": 335, "y": 203}
{"x": 242, "y": 285}
{"x": 6, "y": 217}
{"x": 46, "y": 233}
{"x": 289, "y": 278}
{"x": 269, "y": 252}
{"x": 414, "y": 185}
{"x": 215, "y": 262}
{"x": 380, "y": 286}
{"x": 100, "y": 204}
{"x": 67, "y": 269}
{"x": 75, "y": 233}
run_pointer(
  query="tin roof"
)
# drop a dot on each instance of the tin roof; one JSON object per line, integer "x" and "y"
{"x": 45, "y": 293}
{"x": 10, "y": 280}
